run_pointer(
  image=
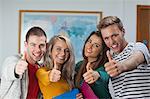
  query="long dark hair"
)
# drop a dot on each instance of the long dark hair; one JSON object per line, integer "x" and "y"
{"x": 101, "y": 60}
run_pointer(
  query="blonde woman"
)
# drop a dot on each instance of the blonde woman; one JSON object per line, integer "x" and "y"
{"x": 57, "y": 76}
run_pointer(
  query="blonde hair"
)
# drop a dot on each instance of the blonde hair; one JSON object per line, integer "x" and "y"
{"x": 110, "y": 20}
{"x": 68, "y": 66}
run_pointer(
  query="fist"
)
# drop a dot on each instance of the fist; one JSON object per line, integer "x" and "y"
{"x": 54, "y": 75}
{"x": 21, "y": 67}
{"x": 112, "y": 67}
{"x": 90, "y": 76}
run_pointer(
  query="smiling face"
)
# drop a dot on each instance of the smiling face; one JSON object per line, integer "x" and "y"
{"x": 114, "y": 38}
{"x": 35, "y": 48}
{"x": 60, "y": 52}
{"x": 93, "y": 47}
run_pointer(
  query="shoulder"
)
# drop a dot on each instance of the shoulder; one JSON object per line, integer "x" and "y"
{"x": 11, "y": 60}
{"x": 138, "y": 46}
{"x": 141, "y": 47}
{"x": 43, "y": 69}
{"x": 78, "y": 64}
{"x": 13, "y": 57}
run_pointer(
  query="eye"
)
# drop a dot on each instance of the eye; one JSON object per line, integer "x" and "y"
{"x": 67, "y": 51}
{"x": 58, "y": 49}
{"x": 115, "y": 35}
{"x": 96, "y": 45}
{"x": 89, "y": 41}
{"x": 42, "y": 45}
{"x": 106, "y": 38}
{"x": 32, "y": 44}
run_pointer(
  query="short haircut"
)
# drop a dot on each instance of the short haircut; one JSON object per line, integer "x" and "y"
{"x": 37, "y": 31}
{"x": 110, "y": 20}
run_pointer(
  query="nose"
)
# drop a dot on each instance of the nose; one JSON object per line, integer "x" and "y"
{"x": 62, "y": 52}
{"x": 111, "y": 41}
{"x": 38, "y": 49}
{"x": 89, "y": 45}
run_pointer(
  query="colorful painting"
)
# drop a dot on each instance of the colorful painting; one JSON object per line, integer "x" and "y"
{"x": 77, "y": 25}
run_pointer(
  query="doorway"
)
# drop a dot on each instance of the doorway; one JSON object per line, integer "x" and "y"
{"x": 143, "y": 24}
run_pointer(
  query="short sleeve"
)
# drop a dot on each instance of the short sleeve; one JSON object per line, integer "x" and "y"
{"x": 142, "y": 47}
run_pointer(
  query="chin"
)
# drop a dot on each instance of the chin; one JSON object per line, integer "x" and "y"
{"x": 37, "y": 59}
{"x": 87, "y": 55}
{"x": 116, "y": 51}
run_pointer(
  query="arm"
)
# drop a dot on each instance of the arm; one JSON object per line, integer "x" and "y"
{"x": 115, "y": 68}
{"x": 9, "y": 68}
{"x": 103, "y": 75}
{"x": 140, "y": 55}
{"x": 132, "y": 62}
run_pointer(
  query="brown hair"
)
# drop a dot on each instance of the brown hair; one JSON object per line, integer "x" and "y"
{"x": 35, "y": 31}
{"x": 102, "y": 58}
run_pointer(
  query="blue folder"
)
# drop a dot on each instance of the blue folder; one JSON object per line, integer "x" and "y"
{"x": 68, "y": 95}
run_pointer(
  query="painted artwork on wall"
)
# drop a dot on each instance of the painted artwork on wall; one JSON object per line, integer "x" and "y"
{"x": 77, "y": 25}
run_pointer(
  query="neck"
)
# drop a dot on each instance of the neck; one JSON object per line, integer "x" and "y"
{"x": 92, "y": 59}
{"x": 124, "y": 45}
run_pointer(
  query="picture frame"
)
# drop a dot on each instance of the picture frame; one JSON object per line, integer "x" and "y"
{"x": 77, "y": 25}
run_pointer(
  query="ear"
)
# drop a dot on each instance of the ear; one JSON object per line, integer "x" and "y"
{"x": 123, "y": 31}
{"x": 25, "y": 45}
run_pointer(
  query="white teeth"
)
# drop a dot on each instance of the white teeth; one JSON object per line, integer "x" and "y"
{"x": 89, "y": 51}
{"x": 61, "y": 58}
{"x": 114, "y": 46}
{"x": 37, "y": 55}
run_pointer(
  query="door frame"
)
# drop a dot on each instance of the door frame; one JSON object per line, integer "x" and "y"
{"x": 138, "y": 34}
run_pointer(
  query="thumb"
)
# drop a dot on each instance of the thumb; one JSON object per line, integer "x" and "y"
{"x": 109, "y": 56}
{"x": 23, "y": 57}
{"x": 88, "y": 66}
{"x": 55, "y": 65}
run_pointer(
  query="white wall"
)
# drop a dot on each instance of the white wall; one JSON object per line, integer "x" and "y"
{"x": 130, "y": 17}
{"x": 0, "y": 33}
{"x": 9, "y": 10}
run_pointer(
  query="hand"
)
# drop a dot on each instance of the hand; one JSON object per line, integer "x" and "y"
{"x": 112, "y": 67}
{"x": 90, "y": 76}
{"x": 55, "y": 74}
{"x": 21, "y": 65}
{"x": 79, "y": 96}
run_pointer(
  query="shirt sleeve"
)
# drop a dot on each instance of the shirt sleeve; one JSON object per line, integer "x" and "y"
{"x": 78, "y": 65}
{"x": 104, "y": 77}
{"x": 9, "y": 68}
{"x": 142, "y": 47}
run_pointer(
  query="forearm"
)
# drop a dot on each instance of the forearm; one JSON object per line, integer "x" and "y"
{"x": 132, "y": 62}
{"x": 103, "y": 75}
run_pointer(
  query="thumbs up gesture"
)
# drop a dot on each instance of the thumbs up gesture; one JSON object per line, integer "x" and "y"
{"x": 112, "y": 67}
{"x": 90, "y": 76}
{"x": 55, "y": 74}
{"x": 21, "y": 66}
